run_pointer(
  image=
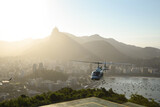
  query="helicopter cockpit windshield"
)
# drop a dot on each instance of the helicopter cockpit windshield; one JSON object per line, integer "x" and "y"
{"x": 96, "y": 72}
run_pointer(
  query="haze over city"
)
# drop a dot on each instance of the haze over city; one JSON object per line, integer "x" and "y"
{"x": 79, "y": 53}
{"x": 134, "y": 22}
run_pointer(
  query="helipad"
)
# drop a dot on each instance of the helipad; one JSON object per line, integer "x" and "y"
{"x": 90, "y": 102}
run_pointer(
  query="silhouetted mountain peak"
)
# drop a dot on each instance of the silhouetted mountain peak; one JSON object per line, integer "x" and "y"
{"x": 56, "y": 34}
{"x": 55, "y": 31}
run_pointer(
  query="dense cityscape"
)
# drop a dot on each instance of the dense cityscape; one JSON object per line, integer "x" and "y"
{"x": 34, "y": 76}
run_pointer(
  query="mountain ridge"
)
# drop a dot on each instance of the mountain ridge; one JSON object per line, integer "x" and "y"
{"x": 61, "y": 45}
{"x": 129, "y": 50}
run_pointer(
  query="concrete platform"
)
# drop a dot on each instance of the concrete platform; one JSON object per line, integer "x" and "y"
{"x": 90, "y": 102}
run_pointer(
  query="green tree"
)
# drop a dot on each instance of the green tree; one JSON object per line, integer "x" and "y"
{"x": 139, "y": 99}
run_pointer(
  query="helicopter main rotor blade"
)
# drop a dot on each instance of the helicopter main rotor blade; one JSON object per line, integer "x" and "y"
{"x": 88, "y": 62}
{"x": 106, "y": 63}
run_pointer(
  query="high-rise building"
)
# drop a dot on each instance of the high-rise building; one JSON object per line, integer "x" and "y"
{"x": 41, "y": 67}
{"x": 34, "y": 68}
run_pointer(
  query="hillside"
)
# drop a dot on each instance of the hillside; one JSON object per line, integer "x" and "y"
{"x": 134, "y": 51}
{"x": 15, "y": 48}
{"x": 105, "y": 51}
{"x": 60, "y": 45}
{"x": 128, "y": 50}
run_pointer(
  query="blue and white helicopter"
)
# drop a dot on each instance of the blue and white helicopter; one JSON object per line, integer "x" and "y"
{"x": 98, "y": 73}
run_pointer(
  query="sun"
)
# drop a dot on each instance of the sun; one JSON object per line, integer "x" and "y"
{"x": 24, "y": 19}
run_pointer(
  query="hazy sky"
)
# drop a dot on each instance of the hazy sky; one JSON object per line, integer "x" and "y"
{"x": 134, "y": 22}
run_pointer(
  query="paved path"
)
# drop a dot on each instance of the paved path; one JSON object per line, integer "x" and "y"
{"x": 90, "y": 102}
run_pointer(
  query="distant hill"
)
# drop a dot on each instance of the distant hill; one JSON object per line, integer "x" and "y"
{"x": 60, "y": 45}
{"x": 15, "y": 48}
{"x": 105, "y": 51}
{"x": 128, "y": 50}
{"x": 84, "y": 39}
{"x": 134, "y": 51}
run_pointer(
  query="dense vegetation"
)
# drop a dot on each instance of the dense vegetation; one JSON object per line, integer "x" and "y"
{"x": 67, "y": 94}
{"x": 139, "y": 99}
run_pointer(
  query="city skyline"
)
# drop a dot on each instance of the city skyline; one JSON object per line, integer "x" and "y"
{"x": 132, "y": 22}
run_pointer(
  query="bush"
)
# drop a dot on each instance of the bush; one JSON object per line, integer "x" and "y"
{"x": 66, "y": 94}
{"x": 139, "y": 99}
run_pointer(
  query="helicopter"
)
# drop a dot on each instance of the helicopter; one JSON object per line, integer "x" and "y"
{"x": 98, "y": 73}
